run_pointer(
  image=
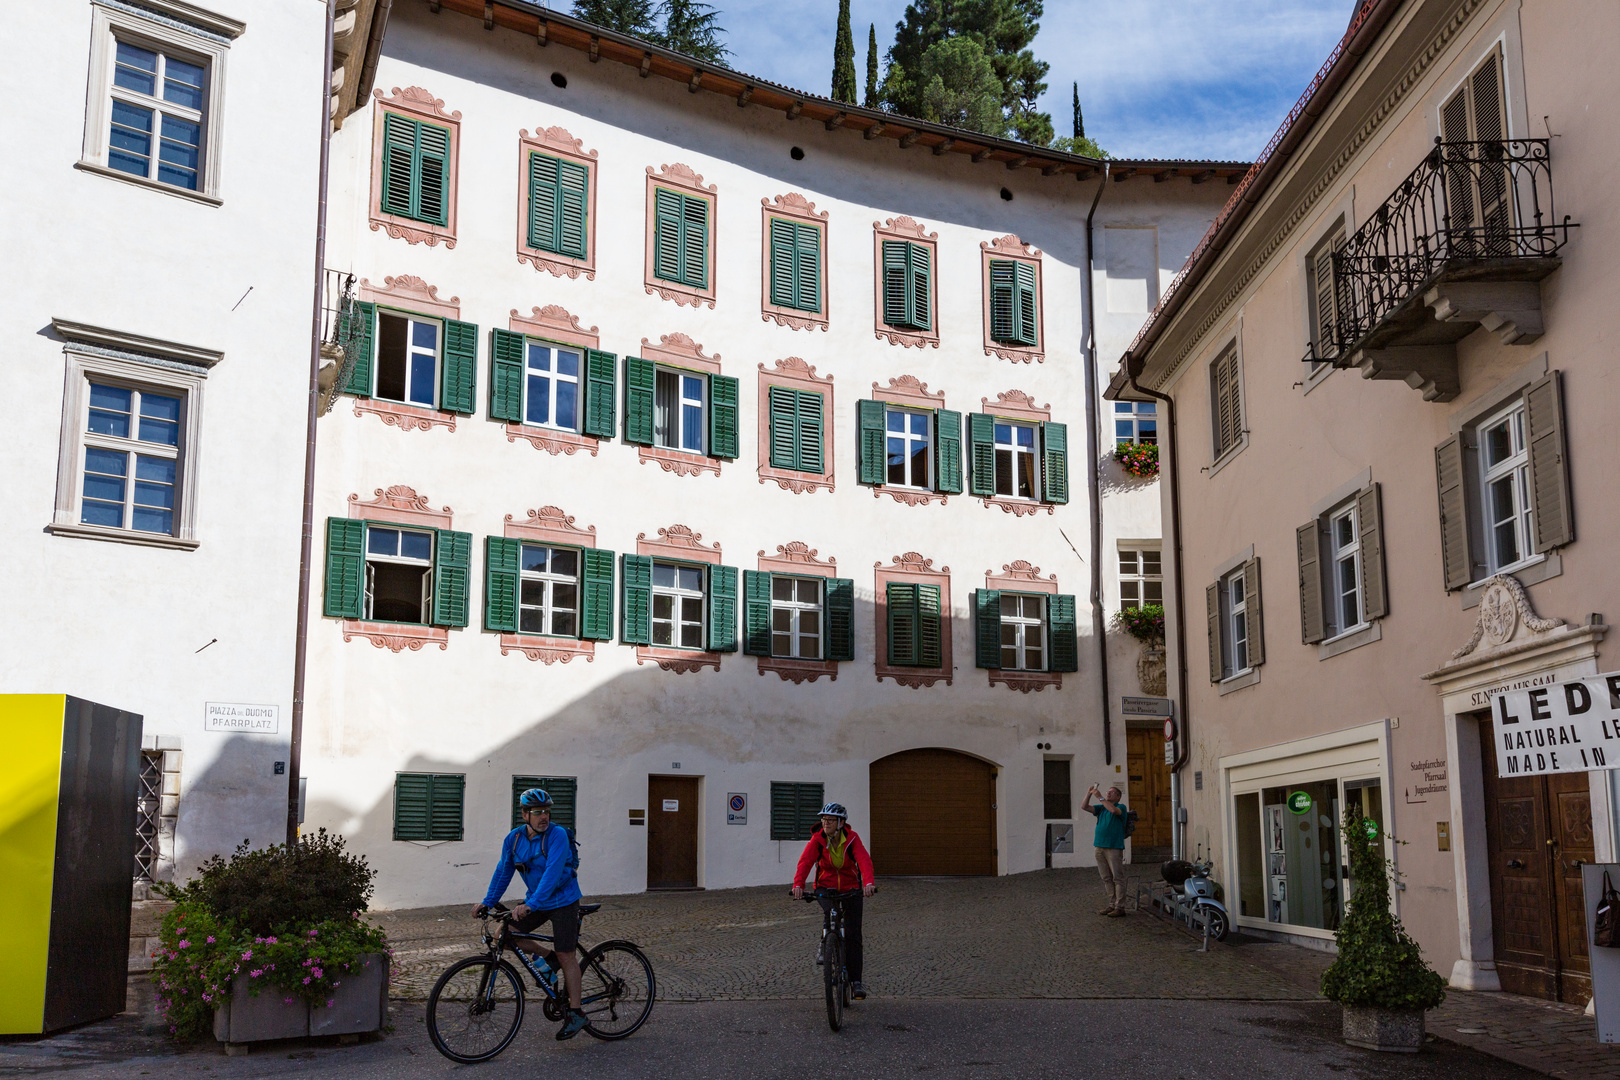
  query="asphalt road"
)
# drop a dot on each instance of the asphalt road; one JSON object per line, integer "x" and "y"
{"x": 940, "y": 1039}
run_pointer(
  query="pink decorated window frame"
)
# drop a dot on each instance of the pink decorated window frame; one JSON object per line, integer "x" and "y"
{"x": 794, "y": 373}
{"x": 910, "y": 392}
{"x": 1021, "y": 576}
{"x": 798, "y": 559}
{"x": 558, "y": 143}
{"x": 678, "y": 543}
{"x": 1019, "y": 407}
{"x": 1011, "y": 249}
{"x": 417, "y": 104}
{"x": 556, "y": 324}
{"x": 904, "y": 228}
{"x": 409, "y": 295}
{"x": 551, "y": 526}
{"x": 799, "y": 210}
{"x": 677, "y": 350}
{"x": 398, "y": 505}
{"x": 912, "y": 567}
{"x": 683, "y": 180}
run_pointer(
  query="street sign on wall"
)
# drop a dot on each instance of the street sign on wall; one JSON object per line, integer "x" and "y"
{"x": 1145, "y": 706}
{"x": 737, "y": 808}
{"x": 1562, "y": 727}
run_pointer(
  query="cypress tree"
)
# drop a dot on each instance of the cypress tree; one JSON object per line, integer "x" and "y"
{"x": 843, "y": 76}
{"x": 1079, "y": 122}
{"x": 871, "y": 101}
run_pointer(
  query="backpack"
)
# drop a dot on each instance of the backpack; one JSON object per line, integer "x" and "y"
{"x": 571, "y": 864}
{"x": 1130, "y": 822}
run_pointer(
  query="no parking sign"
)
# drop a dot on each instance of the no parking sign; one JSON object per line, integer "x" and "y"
{"x": 737, "y": 808}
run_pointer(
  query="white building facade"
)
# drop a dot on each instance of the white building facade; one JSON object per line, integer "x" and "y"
{"x": 701, "y": 463}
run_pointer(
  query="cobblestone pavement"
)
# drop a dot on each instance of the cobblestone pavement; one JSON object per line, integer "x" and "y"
{"x": 1035, "y": 935}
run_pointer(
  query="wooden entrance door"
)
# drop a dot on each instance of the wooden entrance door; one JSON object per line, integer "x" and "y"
{"x": 933, "y": 812}
{"x": 1538, "y": 831}
{"x": 672, "y": 825}
{"x": 1148, "y": 789}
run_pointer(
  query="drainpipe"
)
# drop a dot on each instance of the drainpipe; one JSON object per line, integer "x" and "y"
{"x": 1093, "y": 452}
{"x": 301, "y": 640}
{"x": 1134, "y": 366}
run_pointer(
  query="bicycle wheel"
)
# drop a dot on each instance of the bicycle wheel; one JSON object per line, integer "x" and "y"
{"x": 475, "y": 1009}
{"x": 617, "y": 989}
{"x": 832, "y": 969}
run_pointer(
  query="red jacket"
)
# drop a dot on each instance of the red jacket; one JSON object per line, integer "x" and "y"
{"x": 835, "y": 870}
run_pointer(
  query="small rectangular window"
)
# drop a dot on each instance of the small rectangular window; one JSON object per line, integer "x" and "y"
{"x": 551, "y": 385}
{"x": 548, "y": 600}
{"x": 796, "y": 623}
{"x": 795, "y": 810}
{"x": 677, "y": 605}
{"x": 1023, "y": 632}
{"x": 1017, "y": 473}
{"x": 1141, "y": 578}
{"x": 1136, "y": 423}
{"x": 407, "y": 358}
{"x": 678, "y": 411}
{"x": 910, "y": 449}
{"x": 399, "y": 575}
{"x": 1057, "y": 789}
{"x": 428, "y": 806}
{"x": 1504, "y": 461}
{"x": 1237, "y": 625}
{"x": 1344, "y": 539}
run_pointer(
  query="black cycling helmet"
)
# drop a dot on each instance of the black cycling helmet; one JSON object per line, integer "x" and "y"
{"x": 535, "y": 799}
{"x": 836, "y": 810}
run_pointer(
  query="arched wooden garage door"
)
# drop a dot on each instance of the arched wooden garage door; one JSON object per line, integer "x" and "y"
{"x": 933, "y": 812}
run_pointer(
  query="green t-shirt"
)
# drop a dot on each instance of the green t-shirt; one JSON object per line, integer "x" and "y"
{"x": 1110, "y": 827}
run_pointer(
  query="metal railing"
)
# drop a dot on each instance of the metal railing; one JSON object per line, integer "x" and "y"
{"x": 340, "y": 330}
{"x": 1467, "y": 202}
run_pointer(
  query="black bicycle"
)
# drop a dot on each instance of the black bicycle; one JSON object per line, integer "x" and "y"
{"x": 830, "y": 955}
{"x": 476, "y": 1008}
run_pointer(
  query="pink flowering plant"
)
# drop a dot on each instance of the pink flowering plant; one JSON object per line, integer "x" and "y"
{"x": 1145, "y": 623}
{"x": 287, "y": 918}
{"x": 1138, "y": 459}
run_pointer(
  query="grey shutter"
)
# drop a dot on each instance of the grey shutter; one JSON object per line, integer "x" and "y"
{"x": 1322, "y": 285}
{"x": 1370, "y": 518}
{"x": 1252, "y": 612}
{"x": 1212, "y": 604}
{"x": 987, "y": 635}
{"x": 1307, "y": 538}
{"x": 1455, "y": 560}
{"x": 1549, "y": 468}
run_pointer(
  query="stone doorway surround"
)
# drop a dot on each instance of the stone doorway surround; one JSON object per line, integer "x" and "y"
{"x": 1511, "y": 647}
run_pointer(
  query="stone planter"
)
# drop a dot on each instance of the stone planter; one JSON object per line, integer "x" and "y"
{"x": 1398, "y": 1031}
{"x": 359, "y": 1005}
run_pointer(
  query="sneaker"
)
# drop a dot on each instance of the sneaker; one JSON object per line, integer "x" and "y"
{"x": 1117, "y": 913}
{"x": 1106, "y": 910}
{"x": 572, "y": 1026}
{"x": 857, "y": 990}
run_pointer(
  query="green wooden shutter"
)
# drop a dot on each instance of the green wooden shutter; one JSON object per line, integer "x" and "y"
{"x": 920, "y": 293}
{"x": 902, "y": 610}
{"x": 412, "y": 798}
{"x": 432, "y": 175}
{"x": 639, "y": 379}
{"x": 636, "y": 573}
{"x": 722, "y": 603}
{"x": 784, "y": 273}
{"x": 596, "y": 595}
{"x": 1549, "y": 470}
{"x": 873, "y": 462}
{"x": 564, "y": 792}
{"x": 452, "y": 577}
{"x": 1003, "y": 301}
{"x": 810, "y": 435}
{"x": 783, "y": 424}
{"x": 1028, "y": 317}
{"x": 897, "y": 283}
{"x": 445, "y": 805}
{"x": 694, "y": 242}
{"x": 573, "y": 185}
{"x": 838, "y": 612}
{"x": 1055, "y": 466}
{"x": 723, "y": 395}
{"x": 987, "y": 628}
{"x": 345, "y": 569}
{"x": 948, "y": 451}
{"x": 501, "y": 560}
{"x": 1062, "y": 623}
{"x": 795, "y": 810}
{"x": 929, "y": 627}
{"x": 666, "y": 235}
{"x": 506, "y": 376}
{"x": 399, "y": 165}
{"x": 601, "y": 390}
{"x": 982, "y": 455}
{"x": 807, "y": 268}
{"x": 1308, "y": 547}
{"x": 545, "y": 199}
{"x": 364, "y": 318}
{"x": 460, "y": 393}
{"x": 757, "y": 612}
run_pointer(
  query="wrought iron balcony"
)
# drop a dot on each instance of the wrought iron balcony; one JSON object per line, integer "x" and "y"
{"x": 1462, "y": 243}
{"x": 339, "y": 332}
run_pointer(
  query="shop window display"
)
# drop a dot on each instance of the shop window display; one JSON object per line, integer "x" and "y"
{"x": 1291, "y": 867}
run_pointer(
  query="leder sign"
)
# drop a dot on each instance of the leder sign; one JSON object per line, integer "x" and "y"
{"x": 1562, "y": 727}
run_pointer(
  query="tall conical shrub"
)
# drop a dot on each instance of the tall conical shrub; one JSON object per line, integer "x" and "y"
{"x": 871, "y": 101}
{"x": 843, "y": 76}
{"x": 1378, "y": 964}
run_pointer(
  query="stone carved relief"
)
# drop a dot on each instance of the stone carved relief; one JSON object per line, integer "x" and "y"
{"x": 410, "y": 291}
{"x": 405, "y": 417}
{"x": 1151, "y": 672}
{"x": 417, "y": 100}
{"x": 396, "y": 638}
{"x": 1503, "y": 608}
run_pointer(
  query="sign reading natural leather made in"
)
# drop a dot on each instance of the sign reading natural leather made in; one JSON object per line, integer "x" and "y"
{"x": 1568, "y": 726}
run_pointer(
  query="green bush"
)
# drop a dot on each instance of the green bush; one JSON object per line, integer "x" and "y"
{"x": 1378, "y": 964}
{"x": 1145, "y": 623}
{"x": 302, "y": 884}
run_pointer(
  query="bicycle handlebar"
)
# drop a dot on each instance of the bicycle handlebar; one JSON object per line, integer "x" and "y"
{"x": 810, "y": 896}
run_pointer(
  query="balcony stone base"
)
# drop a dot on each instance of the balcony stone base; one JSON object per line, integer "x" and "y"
{"x": 1510, "y": 309}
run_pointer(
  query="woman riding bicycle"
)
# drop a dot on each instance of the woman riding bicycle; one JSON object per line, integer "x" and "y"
{"x": 842, "y": 865}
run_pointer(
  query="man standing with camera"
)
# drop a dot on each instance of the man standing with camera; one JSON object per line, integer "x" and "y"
{"x": 1109, "y": 841}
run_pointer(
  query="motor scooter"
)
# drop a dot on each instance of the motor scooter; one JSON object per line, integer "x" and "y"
{"x": 1192, "y": 897}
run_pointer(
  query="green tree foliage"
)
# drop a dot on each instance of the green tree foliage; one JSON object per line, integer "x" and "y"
{"x": 872, "y": 101}
{"x": 960, "y": 87}
{"x": 1082, "y": 146}
{"x": 1003, "y": 31}
{"x": 1378, "y": 964}
{"x": 843, "y": 74}
{"x": 1079, "y": 121}
{"x": 687, "y": 26}
{"x": 310, "y": 881}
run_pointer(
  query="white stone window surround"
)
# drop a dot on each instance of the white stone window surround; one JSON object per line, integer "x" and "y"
{"x": 172, "y": 27}
{"x": 1141, "y": 570}
{"x": 144, "y": 363}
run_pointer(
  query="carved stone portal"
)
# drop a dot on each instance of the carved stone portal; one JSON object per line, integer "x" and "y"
{"x": 1503, "y": 609}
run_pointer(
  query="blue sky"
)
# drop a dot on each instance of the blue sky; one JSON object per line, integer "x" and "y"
{"x": 1205, "y": 79}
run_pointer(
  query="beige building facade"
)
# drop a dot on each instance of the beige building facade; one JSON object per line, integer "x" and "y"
{"x": 1386, "y": 494}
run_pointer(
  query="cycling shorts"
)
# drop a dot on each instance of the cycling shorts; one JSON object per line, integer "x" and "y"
{"x": 564, "y": 925}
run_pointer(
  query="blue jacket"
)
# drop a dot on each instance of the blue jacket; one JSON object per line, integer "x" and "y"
{"x": 542, "y": 862}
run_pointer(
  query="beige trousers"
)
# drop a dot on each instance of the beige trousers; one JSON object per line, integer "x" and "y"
{"x": 1111, "y": 865}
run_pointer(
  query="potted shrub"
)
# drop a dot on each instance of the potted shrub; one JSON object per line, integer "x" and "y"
{"x": 1138, "y": 459}
{"x": 1379, "y": 977}
{"x": 272, "y": 945}
{"x": 1145, "y": 623}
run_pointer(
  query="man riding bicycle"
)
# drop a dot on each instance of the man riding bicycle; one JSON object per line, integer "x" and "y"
{"x": 842, "y": 865}
{"x": 542, "y": 853}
